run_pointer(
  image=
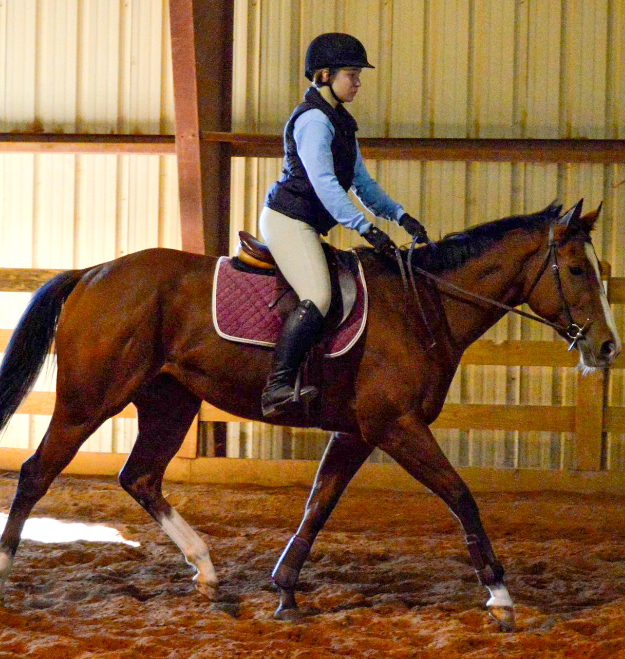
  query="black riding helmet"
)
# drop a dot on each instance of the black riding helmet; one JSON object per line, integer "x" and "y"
{"x": 335, "y": 50}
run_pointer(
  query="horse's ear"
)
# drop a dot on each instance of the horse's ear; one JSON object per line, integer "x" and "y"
{"x": 589, "y": 220}
{"x": 553, "y": 210}
{"x": 569, "y": 224}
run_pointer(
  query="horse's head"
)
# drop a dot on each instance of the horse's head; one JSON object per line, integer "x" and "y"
{"x": 570, "y": 293}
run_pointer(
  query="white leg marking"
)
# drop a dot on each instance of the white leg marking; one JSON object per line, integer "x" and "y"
{"x": 192, "y": 546}
{"x": 499, "y": 596}
{"x": 607, "y": 312}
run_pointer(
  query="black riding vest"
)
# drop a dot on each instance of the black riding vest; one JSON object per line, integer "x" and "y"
{"x": 293, "y": 195}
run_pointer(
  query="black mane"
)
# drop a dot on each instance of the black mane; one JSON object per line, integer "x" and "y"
{"x": 456, "y": 249}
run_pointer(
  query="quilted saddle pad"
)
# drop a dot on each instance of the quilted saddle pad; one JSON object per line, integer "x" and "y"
{"x": 241, "y": 310}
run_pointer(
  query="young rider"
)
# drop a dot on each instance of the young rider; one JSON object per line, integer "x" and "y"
{"x": 322, "y": 161}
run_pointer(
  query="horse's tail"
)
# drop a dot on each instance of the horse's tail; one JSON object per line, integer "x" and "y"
{"x": 31, "y": 341}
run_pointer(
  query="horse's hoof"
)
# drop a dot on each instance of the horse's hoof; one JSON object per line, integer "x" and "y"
{"x": 287, "y": 615}
{"x": 504, "y": 616}
{"x": 207, "y": 590}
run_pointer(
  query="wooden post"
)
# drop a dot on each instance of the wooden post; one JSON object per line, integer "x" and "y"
{"x": 589, "y": 420}
{"x": 201, "y": 35}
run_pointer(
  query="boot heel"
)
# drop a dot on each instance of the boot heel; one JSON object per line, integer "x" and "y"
{"x": 299, "y": 333}
{"x": 289, "y": 403}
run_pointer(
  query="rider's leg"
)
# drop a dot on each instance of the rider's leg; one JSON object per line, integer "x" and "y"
{"x": 297, "y": 250}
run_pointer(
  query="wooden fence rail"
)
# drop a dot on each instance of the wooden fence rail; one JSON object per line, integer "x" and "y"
{"x": 589, "y": 418}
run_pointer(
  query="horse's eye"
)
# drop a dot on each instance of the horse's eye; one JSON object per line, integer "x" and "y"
{"x": 575, "y": 270}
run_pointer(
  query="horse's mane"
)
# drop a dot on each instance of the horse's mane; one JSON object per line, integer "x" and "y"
{"x": 456, "y": 249}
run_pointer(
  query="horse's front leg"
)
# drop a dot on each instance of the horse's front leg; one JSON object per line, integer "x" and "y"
{"x": 410, "y": 442}
{"x": 342, "y": 458}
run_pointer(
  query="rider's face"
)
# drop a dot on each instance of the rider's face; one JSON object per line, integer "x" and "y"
{"x": 346, "y": 83}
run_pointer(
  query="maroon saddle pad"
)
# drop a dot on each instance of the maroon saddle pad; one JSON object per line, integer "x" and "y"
{"x": 242, "y": 311}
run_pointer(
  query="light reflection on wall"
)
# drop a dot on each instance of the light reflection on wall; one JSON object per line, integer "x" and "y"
{"x": 46, "y": 529}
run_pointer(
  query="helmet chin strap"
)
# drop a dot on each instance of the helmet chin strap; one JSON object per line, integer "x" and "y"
{"x": 336, "y": 98}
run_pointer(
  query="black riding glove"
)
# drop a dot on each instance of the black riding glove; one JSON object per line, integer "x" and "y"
{"x": 380, "y": 241}
{"x": 414, "y": 228}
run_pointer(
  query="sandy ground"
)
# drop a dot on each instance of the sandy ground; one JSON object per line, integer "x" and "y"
{"x": 388, "y": 577}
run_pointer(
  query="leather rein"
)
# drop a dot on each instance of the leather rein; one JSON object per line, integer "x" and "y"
{"x": 573, "y": 331}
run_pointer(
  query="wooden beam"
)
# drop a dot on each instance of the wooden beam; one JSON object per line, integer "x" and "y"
{"x": 24, "y": 280}
{"x": 616, "y": 290}
{"x": 42, "y": 402}
{"x": 152, "y": 145}
{"x": 465, "y": 416}
{"x": 519, "y": 353}
{"x": 187, "y": 125}
{"x": 211, "y": 413}
{"x": 270, "y": 146}
{"x": 454, "y": 415}
{"x": 506, "y": 417}
{"x": 451, "y": 149}
{"x": 371, "y": 476}
{"x": 5, "y": 336}
{"x": 481, "y": 353}
{"x": 589, "y": 420}
{"x": 615, "y": 419}
{"x": 189, "y": 445}
{"x": 201, "y": 34}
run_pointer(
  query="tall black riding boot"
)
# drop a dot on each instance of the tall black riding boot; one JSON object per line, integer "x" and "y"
{"x": 300, "y": 332}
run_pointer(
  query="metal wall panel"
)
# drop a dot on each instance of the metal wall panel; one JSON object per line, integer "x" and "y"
{"x": 83, "y": 66}
{"x": 483, "y": 68}
{"x": 66, "y": 211}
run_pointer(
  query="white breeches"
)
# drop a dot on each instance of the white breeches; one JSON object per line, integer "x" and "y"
{"x": 297, "y": 250}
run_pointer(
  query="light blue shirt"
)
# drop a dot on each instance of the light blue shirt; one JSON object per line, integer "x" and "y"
{"x": 313, "y": 133}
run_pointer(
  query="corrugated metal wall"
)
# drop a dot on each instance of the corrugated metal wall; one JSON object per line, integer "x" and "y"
{"x": 457, "y": 68}
{"x": 83, "y": 66}
{"x": 445, "y": 68}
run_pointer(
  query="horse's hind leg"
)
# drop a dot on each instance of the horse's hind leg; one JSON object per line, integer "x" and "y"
{"x": 342, "y": 458}
{"x": 59, "y": 445}
{"x": 166, "y": 409}
{"x": 410, "y": 442}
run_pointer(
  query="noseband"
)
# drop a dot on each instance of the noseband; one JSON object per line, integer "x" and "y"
{"x": 573, "y": 331}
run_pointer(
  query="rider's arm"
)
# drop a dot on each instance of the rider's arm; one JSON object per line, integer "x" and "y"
{"x": 313, "y": 135}
{"x": 371, "y": 194}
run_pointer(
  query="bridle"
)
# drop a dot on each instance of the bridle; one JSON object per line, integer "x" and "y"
{"x": 572, "y": 331}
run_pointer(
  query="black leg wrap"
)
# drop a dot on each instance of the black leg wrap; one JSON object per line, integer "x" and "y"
{"x": 488, "y": 573}
{"x": 287, "y": 569}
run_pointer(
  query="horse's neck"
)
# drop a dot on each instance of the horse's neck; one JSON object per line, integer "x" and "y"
{"x": 498, "y": 274}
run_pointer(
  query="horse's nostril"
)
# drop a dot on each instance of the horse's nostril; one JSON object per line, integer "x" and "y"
{"x": 608, "y": 348}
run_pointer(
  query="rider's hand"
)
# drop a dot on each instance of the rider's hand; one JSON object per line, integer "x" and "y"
{"x": 380, "y": 241}
{"x": 414, "y": 228}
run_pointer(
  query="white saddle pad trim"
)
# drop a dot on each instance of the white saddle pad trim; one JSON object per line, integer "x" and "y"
{"x": 269, "y": 344}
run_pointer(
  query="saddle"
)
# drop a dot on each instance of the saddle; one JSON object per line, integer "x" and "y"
{"x": 251, "y": 300}
{"x": 253, "y": 255}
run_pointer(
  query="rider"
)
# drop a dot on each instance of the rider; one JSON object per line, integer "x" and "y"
{"x": 322, "y": 161}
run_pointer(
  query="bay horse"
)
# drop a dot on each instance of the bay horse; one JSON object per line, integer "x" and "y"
{"x": 138, "y": 329}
